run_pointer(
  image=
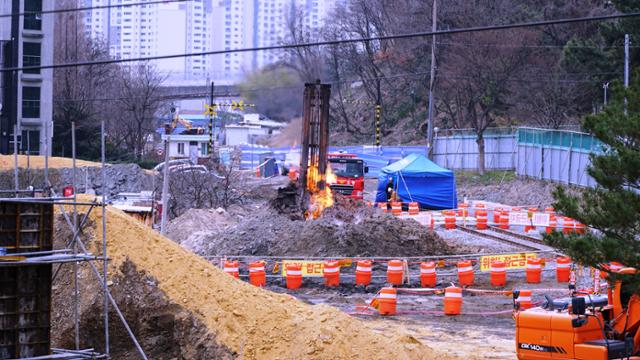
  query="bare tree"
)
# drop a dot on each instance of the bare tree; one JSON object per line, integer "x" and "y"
{"x": 78, "y": 91}
{"x": 140, "y": 101}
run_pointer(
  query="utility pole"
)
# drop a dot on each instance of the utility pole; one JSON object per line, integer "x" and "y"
{"x": 431, "y": 81}
{"x": 211, "y": 137}
{"x": 378, "y": 116}
{"x": 165, "y": 185}
{"x": 626, "y": 68}
{"x": 605, "y": 86}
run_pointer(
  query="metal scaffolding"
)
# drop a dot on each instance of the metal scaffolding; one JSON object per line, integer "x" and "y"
{"x": 73, "y": 252}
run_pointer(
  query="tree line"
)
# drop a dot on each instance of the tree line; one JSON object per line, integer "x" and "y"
{"x": 547, "y": 76}
{"x": 126, "y": 96}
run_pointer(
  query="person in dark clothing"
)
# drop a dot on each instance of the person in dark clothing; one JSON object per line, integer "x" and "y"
{"x": 389, "y": 190}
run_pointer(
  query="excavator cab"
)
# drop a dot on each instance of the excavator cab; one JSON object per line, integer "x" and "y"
{"x": 583, "y": 326}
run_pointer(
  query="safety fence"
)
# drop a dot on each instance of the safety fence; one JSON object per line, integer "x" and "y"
{"x": 555, "y": 155}
{"x": 558, "y": 156}
{"x": 484, "y": 216}
{"x": 398, "y": 275}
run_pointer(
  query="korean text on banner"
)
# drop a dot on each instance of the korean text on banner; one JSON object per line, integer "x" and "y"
{"x": 512, "y": 261}
{"x": 309, "y": 268}
{"x": 519, "y": 218}
{"x": 541, "y": 219}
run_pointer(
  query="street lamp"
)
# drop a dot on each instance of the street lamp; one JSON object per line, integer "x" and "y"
{"x": 605, "y": 86}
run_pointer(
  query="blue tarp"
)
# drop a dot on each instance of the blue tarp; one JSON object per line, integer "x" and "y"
{"x": 418, "y": 179}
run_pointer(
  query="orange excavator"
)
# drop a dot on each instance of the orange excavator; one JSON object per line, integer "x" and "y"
{"x": 583, "y": 326}
{"x": 190, "y": 130}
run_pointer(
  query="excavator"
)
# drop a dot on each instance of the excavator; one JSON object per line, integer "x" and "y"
{"x": 175, "y": 119}
{"x": 582, "y": 326}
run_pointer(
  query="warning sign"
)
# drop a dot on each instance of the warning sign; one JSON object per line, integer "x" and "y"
{"x": 309, "y": 268}
{"x": 519, "y": 218}
{"x": 541, "y": 219}
{"x": 512, "y": 261}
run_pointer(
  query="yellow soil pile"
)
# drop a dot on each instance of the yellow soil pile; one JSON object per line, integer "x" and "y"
{"x": 37, "y": 162}
{"x": 254, "y": 323}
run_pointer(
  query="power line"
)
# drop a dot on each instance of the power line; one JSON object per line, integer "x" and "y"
{"x": 331, "y": 42}
{"x": 416, "y": 75}
{"x": 88, "y": 8}
{"x": 531, "y": 46}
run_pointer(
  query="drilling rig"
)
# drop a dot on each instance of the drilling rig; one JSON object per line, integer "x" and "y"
{"x": 315, "y": 141}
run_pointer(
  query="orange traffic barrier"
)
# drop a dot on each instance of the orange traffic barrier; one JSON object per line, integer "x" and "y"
{"x": 452, "y": 300}
{"x": 567, "y": 225}
{"x": 497, "y": 213}
{"x": 294, "y": 276}
{"x": 553, "y": 222}
{"x": 257, "y": 275}
{"x": 428, "y": 277}
{"x": 563, "y": 269}
{"x": 293, "y": 176}
{"x": 383, "y": 206}
{"x": 369, "y": 204}
{"x": 498, "y": 273}
{"x": 449, "y": 219}
{"x": 396, "y": 208}
{"x": 258, "y": 171}
{"x": 414, "y": 208}
{"x": 463, "y": 209}
{"x": 465, "y": 273}
{"x": 479, "y": 205}
{"x": 524, "y": 300}
{"x": 395, "y": 272}
{"x": 231, "y": 268}
{"x": 533, "y": 270}
{"x": 580, "y": 228}
{"x": 532, "y": 210}
{"x": 550, "y": 210}
{"x": 481, "y": 220}
{"x": 504, "y": 219}
{"x": 363, "y": 272}
{"x": 387, "y": 300}
{"x": 331, "y": 273}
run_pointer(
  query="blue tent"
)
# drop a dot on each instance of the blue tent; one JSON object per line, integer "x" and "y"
{"x": 418, "y": 179}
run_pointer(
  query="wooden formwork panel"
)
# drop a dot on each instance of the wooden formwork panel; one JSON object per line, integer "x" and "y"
{"x": 25, "y": 290}
{"x": 26, "y": 227}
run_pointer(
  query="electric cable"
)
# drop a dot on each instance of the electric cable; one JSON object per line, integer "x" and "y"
{"x": 90, "y": 8}
{"x": 332, "y": 42}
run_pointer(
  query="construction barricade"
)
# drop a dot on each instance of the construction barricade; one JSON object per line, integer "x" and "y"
{"x": 524, "y": 300}
{"x": 534, "y": 270}
{"x": 231, "y": 268}
{"x": 563, "y": 269}
{"x": 414, "y": 208}
{"x": 481, "y": 220}
{"x": 428, "y": 277}
{"x": 396, "y": 208}
{"x": 465, "y": 273}
{"x": 449, "y": 219}
{"x": 363, "y": 272}
{"x": 498, "y": 274}
{"x": 294, "y": 276}
{"x": 452, "y": 300}
{"x": 257, "y": 275}
{"x": 504, "y": 220}
{"x": 331, "y": 273}
{"x": 387, "y": 299}
{"x": 395, "y": 272}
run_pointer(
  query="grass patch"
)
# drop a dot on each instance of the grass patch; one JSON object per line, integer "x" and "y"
{"x": 489, "y": 177}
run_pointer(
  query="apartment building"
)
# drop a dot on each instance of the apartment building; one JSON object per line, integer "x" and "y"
{"x": 258, "y": 23}
{"x": 156, "y": 29}
{"x": 27, "y": 96}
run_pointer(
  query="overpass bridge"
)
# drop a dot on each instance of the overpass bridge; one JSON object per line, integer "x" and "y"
{"x": 187, "y": 92}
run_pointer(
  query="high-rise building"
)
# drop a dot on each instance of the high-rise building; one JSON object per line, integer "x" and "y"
{"x": 27, "y": 96}
{"x": 156, "y": 29}
{"x": 259, "y": 23}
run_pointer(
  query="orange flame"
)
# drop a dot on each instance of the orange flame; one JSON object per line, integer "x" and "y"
{"x": 320, "y": 199}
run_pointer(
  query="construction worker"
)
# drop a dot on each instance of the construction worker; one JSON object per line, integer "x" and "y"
{"x": 390, "y": 191}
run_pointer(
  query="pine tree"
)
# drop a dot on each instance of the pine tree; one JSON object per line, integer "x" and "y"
{"x": 612, "y": 208}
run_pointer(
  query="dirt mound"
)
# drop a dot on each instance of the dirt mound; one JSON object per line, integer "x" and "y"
{"x": 37, "y": 162}
{"x": 356, "y": 231}
{"x": 250, "y": 322}
{"x": 186, "y": 228}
